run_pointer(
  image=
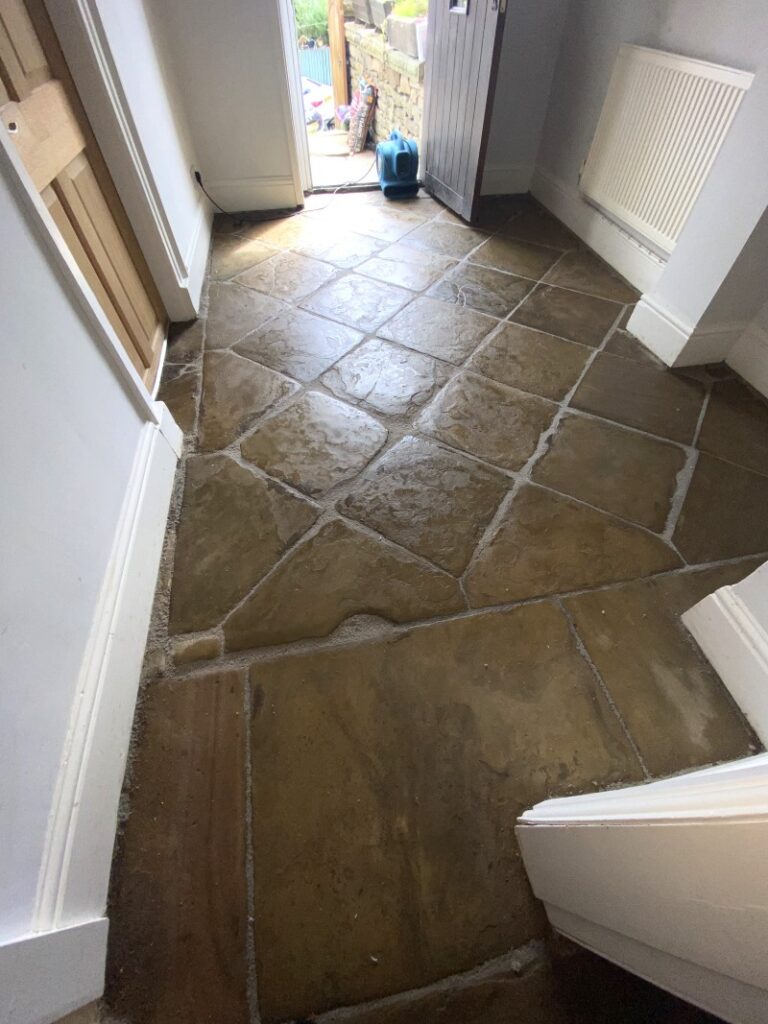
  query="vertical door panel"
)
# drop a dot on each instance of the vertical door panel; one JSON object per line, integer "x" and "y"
{"x": 41, "y": 110}
{"x": 465, "y": 38}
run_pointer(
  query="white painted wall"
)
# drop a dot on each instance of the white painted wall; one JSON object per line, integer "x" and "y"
{"x": 228, "y": 61}
{"x": 69, "y": 438}
{"x": 86, "y": 463}
{"x": 529, "y": 49}
{"x": 732, "y": 200}
{"x": 120, "y": 63}
{"x": 749, "y": 355}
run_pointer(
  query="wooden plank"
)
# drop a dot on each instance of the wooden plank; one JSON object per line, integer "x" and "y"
{"x": 23, "y": 65}
{"x": 87, "y": 209}
{"x": 338, "y": 46}
{"x": 88, "y": 270}
{"x": 47, "y": 134}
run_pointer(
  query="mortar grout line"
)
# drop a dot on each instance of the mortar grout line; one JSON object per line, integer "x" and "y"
{"x": 582, "y": 649}
{"x": 377, "y": 627}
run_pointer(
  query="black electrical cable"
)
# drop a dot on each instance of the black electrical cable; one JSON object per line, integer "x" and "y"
{"x": 199, "y": 180}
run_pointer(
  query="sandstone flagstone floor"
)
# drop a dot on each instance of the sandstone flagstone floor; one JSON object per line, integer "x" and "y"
{"x": 437, "y": 519}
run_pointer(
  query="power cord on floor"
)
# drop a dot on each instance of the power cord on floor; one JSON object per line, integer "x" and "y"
{"x": 346, "y": 184}
{"x": 281, "y": 213}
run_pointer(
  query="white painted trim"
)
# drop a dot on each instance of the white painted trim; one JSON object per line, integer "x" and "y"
{"x": 726, "y": 997}
{"x": 75, "y": 868}
{"x": 737, "y": 645}
{"x": 641, "y": 267}
{"x": 240, "y": 194}
{"x": 81, "y": 33}
{"x": 734, "y": 790}
{"x": 80, "y": 291}
{"x": 506, "y": 179}
{"x": 659, "y": 329}
{"x": 47, "y": 975}
{"x": 300, "y": 163}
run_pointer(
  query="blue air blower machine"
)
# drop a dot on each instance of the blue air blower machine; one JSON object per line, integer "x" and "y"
{"x": 397, "y": 161}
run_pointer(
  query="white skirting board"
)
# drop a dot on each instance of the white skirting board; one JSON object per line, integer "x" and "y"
{"x": 47, "y": 975}
{"x": 506, "y": 179}
{"x": 236, "y": 195}
{"x": 707, "y": 989}
{"x": 737, "y": 645}
{"x": 637, "y": 264}
{"x": 76, "y": 864}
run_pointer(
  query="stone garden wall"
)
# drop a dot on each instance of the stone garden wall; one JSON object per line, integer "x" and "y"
{"x": 400, "y": 80}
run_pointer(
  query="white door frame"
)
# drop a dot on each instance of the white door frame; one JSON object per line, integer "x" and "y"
{"x": 178, "y": 275}
{"x": 293, "y": 104}
{"x": 667, "y": 879}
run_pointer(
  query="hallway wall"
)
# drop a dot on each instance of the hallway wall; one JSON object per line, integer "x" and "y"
{"x": 228, "y": 61}
{"x": 83, "y": 453}
{"x": 734, "y": 197}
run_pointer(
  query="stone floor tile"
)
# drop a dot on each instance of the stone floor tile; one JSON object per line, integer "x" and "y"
{"x": 438, "y": 329}
{"x": 187, "y": 650}
{"x": 489, "y": 291}
{"x": 622, "y": 343}
{"x": 548, "y": 544}
{"x": 231, "y": 254}
{"x": 339, "y": 572}
{"x": 493, "y": 212}
{"x": 393, "y": 380}
{"x": 571, "y": 315}
{"x": 488, "y": 419}
{"x": 359, "y": 302}
{"x": 293, "y": 232}
{"x": 185, "y": 341}
{"x": 447, "y": 239}
{"x": 236, "y": 391}
{"x": 656, "y": 674}
{"x": 528, "y": 996}
{"x": 641, "y": 396}
{"x": 287, "y": 275}
{"x": 388, "y": 775}
{"x": 735, "y": 426}
{"x": 388, "y": 223}
{"x": 315, "y": 443}
{"x": 531, "y": 361}
{"x": 586, "y": 272}
{"x": 724, "y": 514}
{"x": 433, "y": 501}
{"x": 629, "y": 474}
{"x": 536, "y": 225}
{"x": 345, "y": 250}
{"x": 233, "y": 527}
{"x": 179, "y": 906}
{"x": 299, "y": 344}
{"x": 516, "y": 257}
{"x": 178, "y": 390}
{"x": 406, "y": 266}
{"x": 235, "y": 311}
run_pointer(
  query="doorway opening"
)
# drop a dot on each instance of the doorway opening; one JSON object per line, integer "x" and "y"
{"x": 362, "y": 65}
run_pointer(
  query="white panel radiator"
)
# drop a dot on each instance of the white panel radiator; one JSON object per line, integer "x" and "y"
{"x": 662, "y": 123}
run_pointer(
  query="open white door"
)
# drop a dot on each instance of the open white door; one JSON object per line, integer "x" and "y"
{"x": 669, "y": 880}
